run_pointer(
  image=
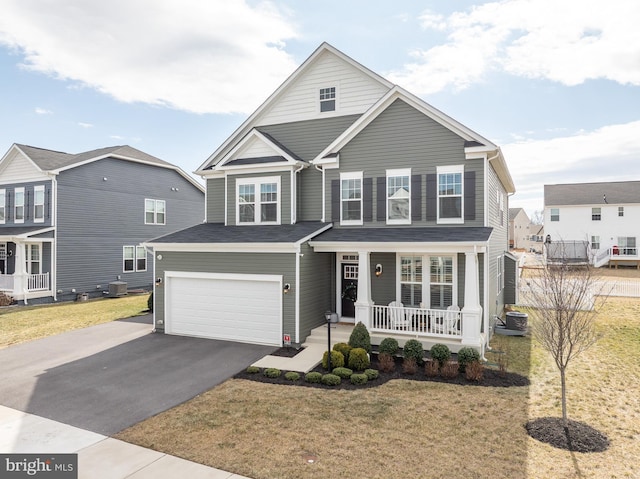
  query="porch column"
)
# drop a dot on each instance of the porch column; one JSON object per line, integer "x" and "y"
{"x": 20, "y": 273}
{"x": 364, "y": 303}
{"x": 472, "y": 311}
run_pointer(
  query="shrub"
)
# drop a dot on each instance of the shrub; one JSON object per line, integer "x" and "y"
{"x": 413, "y": 349}
{"x": 449, "y": 370}
{"x": 337, "y": 360}
{"x": 386, "y": 363}
{"x": 467, "y": 355}
{"x": 272, "y": 373}
{"x": 150, "y": 302}
{"x": 389, "y": 345}
{"x": 292, "y": 376}
{"x": 474, "y": 371}
{"x": 358, "y": 359}
{"x": 345, "y": 349}
{"x": 372, "y": 374}
{"x": 359, "y": 378}
{"x": 313, "y": 377}
{"x": 431, "y": 368}
{"x": 253, "y": 369}
{"x": 360, "y": 337}
{"x": 409, "y": 366}
{"x": 344, "y": 373}
{"x": 331, "y": 380}
{"x": 440, "y": 353}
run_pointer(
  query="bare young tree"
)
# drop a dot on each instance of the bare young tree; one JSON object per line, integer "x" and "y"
{"x": 563, "y": 297}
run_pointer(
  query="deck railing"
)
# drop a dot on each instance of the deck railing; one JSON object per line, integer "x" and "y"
{"x": 417, "y": 321}
{"x": 35, "y": 282}
{"x": 6, "y": 282}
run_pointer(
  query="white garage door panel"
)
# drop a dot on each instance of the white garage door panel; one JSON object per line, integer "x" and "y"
{"x": 231, "y": 309}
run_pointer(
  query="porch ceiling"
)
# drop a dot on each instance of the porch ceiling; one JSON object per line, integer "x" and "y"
{"x": 22, "y": 232}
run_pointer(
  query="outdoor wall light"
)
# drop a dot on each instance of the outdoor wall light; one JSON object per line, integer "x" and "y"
{"x": 378, "y": 270}
{"x": 158, "y": 281}
{"x": 286, "y": 288}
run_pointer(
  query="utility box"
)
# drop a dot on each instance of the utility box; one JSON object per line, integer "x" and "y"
{"x": 117, "y": 289}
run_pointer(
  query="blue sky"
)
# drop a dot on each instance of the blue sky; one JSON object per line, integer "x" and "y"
{"x": 555, "y": 84}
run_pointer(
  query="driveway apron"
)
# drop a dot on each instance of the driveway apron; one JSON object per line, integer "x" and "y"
{"x": 107, "y": 377}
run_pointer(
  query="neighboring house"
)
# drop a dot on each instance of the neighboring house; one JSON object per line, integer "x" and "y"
{"x": 342, "y": 193}
{"x": 72, "y": 224}
{"x": 534, "y": 240}
{"x": 518, "y": 227}
{"x": 604, "y": 217}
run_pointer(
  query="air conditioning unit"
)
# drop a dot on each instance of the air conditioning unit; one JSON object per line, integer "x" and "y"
{"x": 117, "y": 288}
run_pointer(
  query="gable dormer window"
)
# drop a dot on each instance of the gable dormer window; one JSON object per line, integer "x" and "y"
{"x": 258, "y": 200}
{"x": 328, "y": 99}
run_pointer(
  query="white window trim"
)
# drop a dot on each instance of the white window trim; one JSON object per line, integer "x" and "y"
{"x": 354, "y": 175}
{"x": 3, "y": 205}
{"x": 144, "y": 253}
{"x": 15, "y": 204}
{"x": 551, "y": 215}
{"x": 596, "y": 213}
{"x": 36, "y": 189}
{"x": 595, "y": 240}
{"x": 135, "y": 259}
{"x": 441, "y": 170}
{"x": 257, "y": 214}
{"x": 29, "y": 248}
{"x": 336, "y": 98}
{"x": 392, "y": 174}
{"x": 426, "y": 275}
{"x": 620, "y": 211}
{"x": 155, "y": 211}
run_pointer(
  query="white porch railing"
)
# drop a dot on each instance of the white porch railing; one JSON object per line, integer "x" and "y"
{"x": 416, "y": 321}
{"x": 35, "y": 282}
{"x": 615, "y": 253}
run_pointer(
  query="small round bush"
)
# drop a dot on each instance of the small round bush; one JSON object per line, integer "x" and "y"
{"x": 292, "y": 376}
{"x": 272, "y": 373}
{"x": 449, "y": 370}
{"x": 413, "y": 349}
{"x": 474, "y": 371}
{"x": 337, "y": 360}
{"x": 345, "y": 349}
{"x": 344, "y": 373}
{"x": 440, "y": 353}
{"x": 372, "y": 374}
{"x": 359, "y": 378}
{"x": 253, "y": 369}
{"x": 360, "y": 337}
{"x": 150, "y": 302}
{"x": 466, "y": 356}
{"x": 359, "y": 359}
{"x": 389, "y": 346}
{"x": 313, "y": 377}
{"x": 331, "y": 380}
{"x": 386, "y": 363}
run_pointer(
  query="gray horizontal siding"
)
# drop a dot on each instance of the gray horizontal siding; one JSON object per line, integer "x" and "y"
{"x": 285, "y": 195}
{"x": 215, "y": 200}
{"x": 383, "y": 288}
{"x": 96, "y": 218}
{"x": 28, "y": 204}
{"x": 238, "y": 263}
{"x": 315, "y": 289}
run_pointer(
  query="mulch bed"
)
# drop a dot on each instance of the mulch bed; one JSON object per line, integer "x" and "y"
{"x": 286, "y": 352}
{"x": 580, "y": 437}
{"x": 492, "y": 378}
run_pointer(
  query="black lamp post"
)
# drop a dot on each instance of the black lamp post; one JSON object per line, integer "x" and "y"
{"x": 327, "y": 316}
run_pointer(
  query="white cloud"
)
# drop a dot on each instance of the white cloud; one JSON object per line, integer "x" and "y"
{"x": 116, "y": 137}
{"x": 42, "y": 111}
{"x": 569, "y": 42}
{"x": 202, "y": 57}
{"x": 85, "y": 125}
{"x": 610, "y": 153}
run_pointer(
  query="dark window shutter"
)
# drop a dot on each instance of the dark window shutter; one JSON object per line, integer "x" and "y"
{"x": 432, "y": 197}
{"x": 416, "y": 197}
{"x": 381, "y": 200}
{"x": 469, "y": 195}
{"x": 335, "y": 200}
{"x": 367, "y": 199}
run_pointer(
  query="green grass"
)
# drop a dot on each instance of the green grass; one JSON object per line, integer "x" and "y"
{"x": 25, "y": 323}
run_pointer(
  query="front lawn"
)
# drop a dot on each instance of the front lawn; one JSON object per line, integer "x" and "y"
{"x": 409, "y": 428}
{"x": 25, "y": 323}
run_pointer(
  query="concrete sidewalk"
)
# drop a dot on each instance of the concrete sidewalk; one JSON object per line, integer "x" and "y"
{"x": 99, "y": 457}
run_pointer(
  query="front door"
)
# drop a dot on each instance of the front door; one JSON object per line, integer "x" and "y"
{"x": 349, "y": 289}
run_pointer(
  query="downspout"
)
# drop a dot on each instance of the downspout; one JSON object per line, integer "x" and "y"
{"x": 297, "y": 293}
{"x": 294, "y": 195}
{"x": 54, "y": 245}
{"x": 323, "y": 191}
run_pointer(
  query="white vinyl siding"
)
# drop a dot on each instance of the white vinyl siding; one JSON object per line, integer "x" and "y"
{"x": 18, "y": 208}
{"x": 450, "y": 194}
{"x": 154, "y": 212}
{"x": 399, "y": 197}
{"x": 38, "y": 204}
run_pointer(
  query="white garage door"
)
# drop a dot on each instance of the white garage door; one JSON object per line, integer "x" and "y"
{"x": 246, "y": 308}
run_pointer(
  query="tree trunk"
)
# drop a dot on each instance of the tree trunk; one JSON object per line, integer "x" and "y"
{"x": 563, "y": 386}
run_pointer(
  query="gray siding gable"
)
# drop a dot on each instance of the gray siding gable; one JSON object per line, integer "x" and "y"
{"x": 28, "y": 204}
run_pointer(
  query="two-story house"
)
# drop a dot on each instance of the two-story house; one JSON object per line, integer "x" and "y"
{"x": 70, "y": 224}
{"x": 518, "y": 228}
{"x": 603, "y": 216}
{"x": 344, "y": 193}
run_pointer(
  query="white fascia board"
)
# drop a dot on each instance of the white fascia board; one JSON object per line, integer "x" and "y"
{"x": 255, "y": 169}
{"x": 391, "y": 247}
{"x": 249, "y": 122}
{"x": 314, "y": 234}
{"x": 500, "y": 165}
{"x": 223, "y": 247}
{"x": 17, "y": 148}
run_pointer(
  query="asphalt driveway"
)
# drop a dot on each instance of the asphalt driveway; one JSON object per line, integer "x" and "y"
{"x": 107, "y": 377}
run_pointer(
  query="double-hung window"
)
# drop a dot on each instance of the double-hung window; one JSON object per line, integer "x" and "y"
{"x": 596, "y": 214}
{"x": 411, "y": 280}
{"x": 450, "y": 191}
{"x": 134, "y": 258}
{"x": 441, "y": 282}
{"x": 18, "y": 209}
{"x": 351, "y": 198}
{"x": 258, "y": 200}
{"x": 554, "y": 214}
{"x": 328, "y": 99}
{"x": 620, "y": 210}
{"x": 32, "y": 256}
{"x": 38, "y": 204}
{"x": 627, "y": 245}
{"x": 155, "y": 212}
{"x": 398, "y": 196}
{"x": 595, "y": 242}
{"x": 3, "y": 206}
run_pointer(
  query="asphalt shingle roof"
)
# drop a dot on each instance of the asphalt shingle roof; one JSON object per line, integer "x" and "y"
{"x": 616, "y": 192}
{"x": 433, "y": 234}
